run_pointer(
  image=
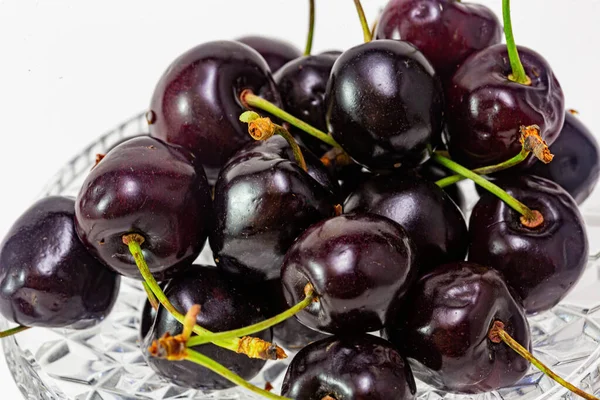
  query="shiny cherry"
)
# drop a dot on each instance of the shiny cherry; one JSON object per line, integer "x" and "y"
{"x": 433, "y": 172}
{"x": 430, "y": 217}
{"x": 358, "y": 367}
{"x": 485, "y": 108}
{"x": 225, "y": 305}
{"x": 372, "y": 110}
{"x": 302, "y": 84}
{"x": 276, "y": 52}
{"x": 147, "y": 187}
{"x": 47, "y": 277}
{"x": 196, "y": 102}
{"x": 445, "y": 31}
{"x": 360, "y": 266}
{"x": 541, "y": 264}
{"x": 576, "y": 163}
{"x": 443, "y": 330}
{"x": 263, "y": 201}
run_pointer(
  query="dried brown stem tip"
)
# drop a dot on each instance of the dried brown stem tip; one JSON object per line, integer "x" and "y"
{"x": 257, "y": 348}
{"x": 99, "y": 157}
{"x": 534, "y": 220}
{"x": 268, "y": 386}
{"x": 261, "y": 128}
{"x": 133, "y": 237}
{"x": 336, "y": 157}
{"x": 309, "y": 290}
{"x": 494, "y": 333}
{"x": 533, "y": 142}
{"x": 338, "y": 210}
{"x": 573, "y": 111}
{"x": 169, "y": 347}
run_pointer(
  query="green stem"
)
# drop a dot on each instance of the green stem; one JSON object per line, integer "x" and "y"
{"x": 151, "y": 297}
{"x": 363, "y": 21}
{"x": 258, "y": 327}
{"x": 252, "y": 100}
{"x": 214, "y": 366}
{"x": 484, "y": 183}
{"x": 518, "y": 72}
{"x": 311, "y": 29}
{"x": 13, "y": 331}
{"x": 450, "y": 180}
{"x": 281, "y": 131}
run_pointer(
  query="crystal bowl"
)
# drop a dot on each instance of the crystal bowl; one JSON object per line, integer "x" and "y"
{"x": 105, "y": 363}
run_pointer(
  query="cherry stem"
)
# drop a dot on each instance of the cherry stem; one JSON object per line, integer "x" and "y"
{"x": 261, "y": 326}
{"x": 249, "y": 99}
{"x": 530, "y": 218}
{"x": 498, "y": 334}
{"x": 151, "y": 297}
{"x": 518, "y": 72}
{"x": 238, "y": 345}
{"x": 214, "y": 366}
{"x": 363, "y": 21}
{"x": 263, "y": 128}
{"x": 13, "y": 331}
{"x": 531, "y": 142}
{"x": 311, "y": 29}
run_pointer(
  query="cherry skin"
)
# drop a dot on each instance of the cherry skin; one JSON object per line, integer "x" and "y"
{"x": 372, "y": 110}
{"x": 443, "y": 330}
{"x": 485, "y": 109}
{"x": 147, "y": 187}
{"x": 576, "y": 163}
{"x": 360, "y": 266}
{"x": 430, "y": 217}
{"x": 224, "y": 306}
{"x": 263, "y": 201}
{"x": 541, "y": 264}
{"x": 359, "y": 367}
{"x": 302, "y": 84}
{"x": 47, "y": 277}
{"x": 433, "y": 172}
{"x": 196, "y": 102}
{"x": 445, "y": 31}
{"x": 276, "y": 52}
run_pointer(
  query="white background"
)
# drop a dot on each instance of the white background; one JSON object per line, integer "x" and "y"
{"x": 71, "y": 70}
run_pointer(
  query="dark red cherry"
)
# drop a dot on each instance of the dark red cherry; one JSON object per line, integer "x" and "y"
{"x": 541, "y": 264}
{"x": 360, "y": 266}
{"x": 485, "y": 109}
{"x": 443, "y": 330}
{"x": 576, "y": 163}
{"x": 433, "y": 172}
{"x": 196, "y": 102}
{"x": 147, "y": 187}
{"x": 263, "y": 201}
{"x": 276, "y": 52}
{"x": 224, "y": 306}
{"x": 445, "y": 31}
{"x": 47, "y": 277}
{"x": 358, "y": 367}
{"x": 372, "y": 109}
{"x": 430, "y": 217}
{"x": 302, "y": 84}
{"x": 290, "y": 334}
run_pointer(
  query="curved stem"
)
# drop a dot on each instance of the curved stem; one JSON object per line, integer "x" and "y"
{"x": 363, "y": 21}
{"x": 13, "y": 331}
{"x": 151, "y": 297}
{"x": 497, "y": 334}
{"x": 518, "y": 72}
{"x": 214, "y": 366}
{"x": 281, "y": 131}
{"x": 526, "y": 212}
{"x": 311, "y": 29}
{"x": 251, "y": 100}
{"x": 258, "y": 327}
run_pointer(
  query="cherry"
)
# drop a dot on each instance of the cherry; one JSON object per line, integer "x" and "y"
{"x": 372, "y": 111}
{"x": 359, "y": 367}
{"x": 433, "y": 172}
{"x": 147, "y": 187}
{"x": 360, "y": 266}
{"x": 541, "y": 264}
{"x": 47, "y": 277}
{"x": 276, "y": 52}
{"x": 576, "y": 164}
{"x": 263, "y": 201}
{"x": 302, "y": 84}
{"x": 443, "y": 330}
{"x": 430, "y": 217}
{"x": 224, "y": 305}
{"x": 445, "y": 31}
{"x": 190, "y": 107}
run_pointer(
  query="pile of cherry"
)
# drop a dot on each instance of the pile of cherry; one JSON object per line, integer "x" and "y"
{"x": 326, "y": 187}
